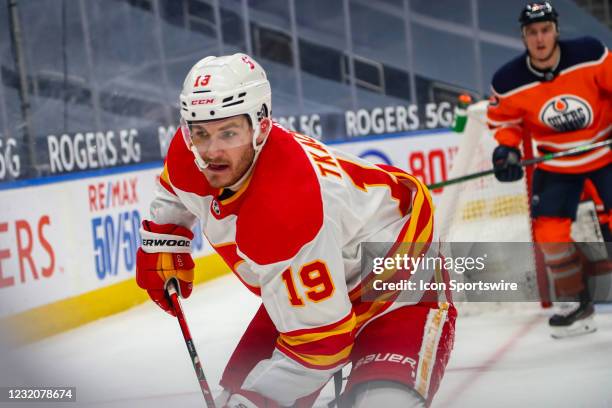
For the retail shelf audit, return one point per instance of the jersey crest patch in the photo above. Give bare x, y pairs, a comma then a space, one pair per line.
566, 113
215, 207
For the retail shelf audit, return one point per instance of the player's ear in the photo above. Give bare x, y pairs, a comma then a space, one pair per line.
523, 36
264, 129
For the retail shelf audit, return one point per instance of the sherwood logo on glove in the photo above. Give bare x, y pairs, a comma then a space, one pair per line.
152, 242
166, 242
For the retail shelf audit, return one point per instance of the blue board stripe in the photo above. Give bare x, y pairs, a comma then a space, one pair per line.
60, 178
10, 185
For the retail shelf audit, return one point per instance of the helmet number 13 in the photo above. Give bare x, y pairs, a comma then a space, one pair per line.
315, 278
201, 80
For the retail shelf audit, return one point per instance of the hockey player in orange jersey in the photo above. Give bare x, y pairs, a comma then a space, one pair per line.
287, 214
559, 91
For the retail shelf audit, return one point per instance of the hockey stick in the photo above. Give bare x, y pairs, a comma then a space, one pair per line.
550, 156
337, 389
195, 360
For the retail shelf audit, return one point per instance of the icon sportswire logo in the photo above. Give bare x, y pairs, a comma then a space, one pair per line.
566, 113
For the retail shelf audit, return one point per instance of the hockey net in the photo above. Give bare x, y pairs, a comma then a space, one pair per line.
485, 210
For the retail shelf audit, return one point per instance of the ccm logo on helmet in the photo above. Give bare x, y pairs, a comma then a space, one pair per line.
166, 242
203, 101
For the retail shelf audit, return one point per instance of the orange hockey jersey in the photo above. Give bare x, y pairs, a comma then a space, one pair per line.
292, 235
572, 109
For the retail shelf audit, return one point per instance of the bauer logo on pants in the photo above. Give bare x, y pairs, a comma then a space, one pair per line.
380, 357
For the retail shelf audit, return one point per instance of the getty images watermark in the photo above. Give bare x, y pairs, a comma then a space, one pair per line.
422, 263
466, 271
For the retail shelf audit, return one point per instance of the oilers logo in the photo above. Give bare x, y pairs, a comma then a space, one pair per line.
566, 113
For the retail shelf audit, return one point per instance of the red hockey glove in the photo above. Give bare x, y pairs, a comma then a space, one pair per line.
164, 255
249, 399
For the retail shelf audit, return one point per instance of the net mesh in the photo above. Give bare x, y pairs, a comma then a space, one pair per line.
485, 210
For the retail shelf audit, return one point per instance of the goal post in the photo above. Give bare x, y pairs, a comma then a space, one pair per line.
486, 210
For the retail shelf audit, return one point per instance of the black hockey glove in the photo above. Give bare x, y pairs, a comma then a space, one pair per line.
506, 161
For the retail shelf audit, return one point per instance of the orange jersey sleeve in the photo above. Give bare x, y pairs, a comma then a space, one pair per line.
505, 120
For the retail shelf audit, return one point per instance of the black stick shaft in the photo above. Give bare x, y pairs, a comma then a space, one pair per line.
550, 156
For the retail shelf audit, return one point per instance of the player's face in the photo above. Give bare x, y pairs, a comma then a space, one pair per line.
541, 40
226, 145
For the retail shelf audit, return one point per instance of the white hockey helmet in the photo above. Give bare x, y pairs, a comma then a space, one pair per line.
222, 87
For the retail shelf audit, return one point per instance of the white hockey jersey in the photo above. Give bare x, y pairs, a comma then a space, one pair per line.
292, 235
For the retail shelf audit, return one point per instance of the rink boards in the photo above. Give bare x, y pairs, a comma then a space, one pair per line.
68, 243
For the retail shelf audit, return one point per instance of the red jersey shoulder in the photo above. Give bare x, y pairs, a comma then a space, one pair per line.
283, 208
182, 170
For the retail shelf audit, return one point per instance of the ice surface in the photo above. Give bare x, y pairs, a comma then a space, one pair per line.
138, 358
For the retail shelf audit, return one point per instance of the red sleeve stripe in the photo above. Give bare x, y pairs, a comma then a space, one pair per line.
322, 347
327, 346
317, 362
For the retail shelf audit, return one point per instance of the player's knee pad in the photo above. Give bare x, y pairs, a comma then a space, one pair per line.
552, 229
385, 394
563, 259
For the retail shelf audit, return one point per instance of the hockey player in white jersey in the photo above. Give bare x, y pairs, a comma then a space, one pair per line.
288, 214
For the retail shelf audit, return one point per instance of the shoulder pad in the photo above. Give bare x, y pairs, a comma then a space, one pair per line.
283, 208
512, 75
579, 51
